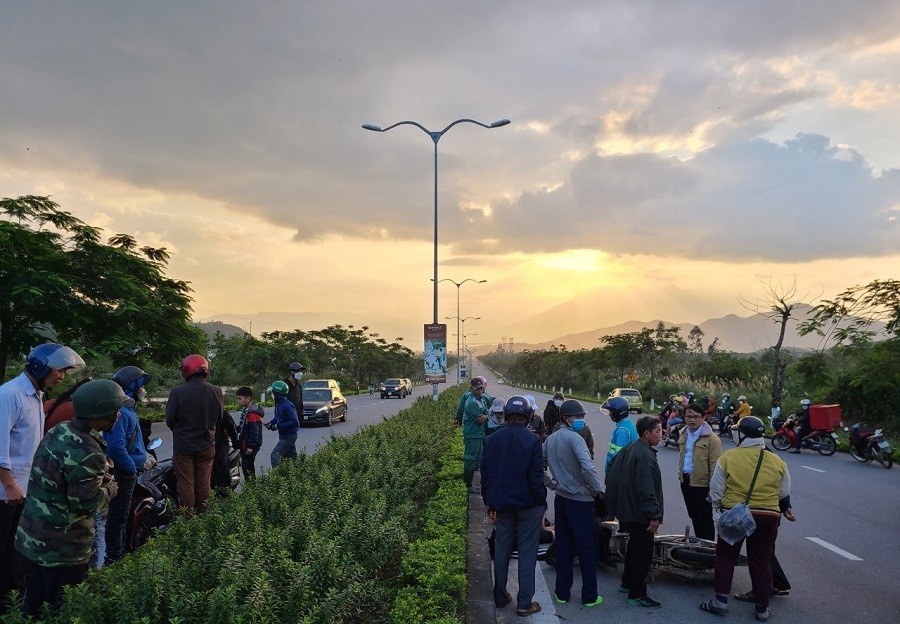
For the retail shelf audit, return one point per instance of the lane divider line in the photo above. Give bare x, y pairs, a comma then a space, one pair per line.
813, 469
834, 549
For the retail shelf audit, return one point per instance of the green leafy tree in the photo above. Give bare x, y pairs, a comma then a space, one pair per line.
108, 298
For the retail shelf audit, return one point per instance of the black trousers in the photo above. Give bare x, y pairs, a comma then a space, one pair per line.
12, 566
699, 509
45, 584
638, 558
248, 463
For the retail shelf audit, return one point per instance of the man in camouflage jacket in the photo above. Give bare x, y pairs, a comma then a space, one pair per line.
68, 483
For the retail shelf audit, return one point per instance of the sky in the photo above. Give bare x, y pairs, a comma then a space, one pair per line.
664, 159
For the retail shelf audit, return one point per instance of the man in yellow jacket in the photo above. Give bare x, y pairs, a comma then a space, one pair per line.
699, 450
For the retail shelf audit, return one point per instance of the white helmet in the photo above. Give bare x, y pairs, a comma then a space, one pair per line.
742, 398
805, 403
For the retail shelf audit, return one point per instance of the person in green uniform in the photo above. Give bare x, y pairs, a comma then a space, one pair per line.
475, 413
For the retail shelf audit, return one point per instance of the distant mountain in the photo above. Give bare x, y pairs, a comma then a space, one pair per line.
261, 322
227, 330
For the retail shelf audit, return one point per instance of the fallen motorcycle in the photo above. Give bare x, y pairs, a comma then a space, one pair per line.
868, 444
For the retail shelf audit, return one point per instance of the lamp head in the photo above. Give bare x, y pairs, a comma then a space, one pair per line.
375, 128
496, 124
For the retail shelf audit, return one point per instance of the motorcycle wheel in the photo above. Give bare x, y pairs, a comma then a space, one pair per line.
855, 455
886, 460
689, 555
781, 442
827, 446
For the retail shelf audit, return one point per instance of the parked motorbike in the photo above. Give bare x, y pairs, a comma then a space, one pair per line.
155, 498
868, 444
674, 434
822, 440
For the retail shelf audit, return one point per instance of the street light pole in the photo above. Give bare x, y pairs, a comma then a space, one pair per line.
458, 353
435, 137
458, 285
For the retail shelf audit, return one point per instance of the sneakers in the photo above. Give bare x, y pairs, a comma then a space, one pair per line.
646, 602
560, 600
762, 616
596, 602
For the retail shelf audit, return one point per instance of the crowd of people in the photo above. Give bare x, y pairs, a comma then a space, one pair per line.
69, 465
521, 454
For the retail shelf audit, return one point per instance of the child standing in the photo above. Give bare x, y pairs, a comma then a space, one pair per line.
249, 430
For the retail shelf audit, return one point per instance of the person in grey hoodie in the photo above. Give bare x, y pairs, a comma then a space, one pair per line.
576, 481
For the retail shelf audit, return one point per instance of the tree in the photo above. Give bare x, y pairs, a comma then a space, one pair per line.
695, 339
625, 351
106, 299
778, 306
849, 317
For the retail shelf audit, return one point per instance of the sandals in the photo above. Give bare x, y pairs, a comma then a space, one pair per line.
534, 608
714, 606
750, 597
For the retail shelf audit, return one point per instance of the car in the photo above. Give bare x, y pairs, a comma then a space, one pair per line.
409, 384
327, 384
635, 401
394, 387
500, 382
323, 406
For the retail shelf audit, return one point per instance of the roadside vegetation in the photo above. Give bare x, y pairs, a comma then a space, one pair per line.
369, 529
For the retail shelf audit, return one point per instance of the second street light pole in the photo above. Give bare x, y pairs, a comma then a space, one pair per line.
436, 136
458, 285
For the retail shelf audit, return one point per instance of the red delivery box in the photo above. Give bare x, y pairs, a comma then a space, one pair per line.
825, 416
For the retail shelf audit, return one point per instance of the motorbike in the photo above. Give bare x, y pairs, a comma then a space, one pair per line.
155, 499
672, 438
868, 444
822, 440
683, 556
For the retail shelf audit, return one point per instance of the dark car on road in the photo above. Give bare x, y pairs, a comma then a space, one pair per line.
394, 387
323, 406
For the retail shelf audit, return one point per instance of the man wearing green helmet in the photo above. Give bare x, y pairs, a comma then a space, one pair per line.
285, 421
69, 481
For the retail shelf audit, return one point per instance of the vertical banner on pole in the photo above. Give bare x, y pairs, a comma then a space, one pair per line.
436, 353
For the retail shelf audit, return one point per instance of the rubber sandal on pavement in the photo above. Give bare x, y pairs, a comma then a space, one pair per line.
534, 608
745, 597
714, 606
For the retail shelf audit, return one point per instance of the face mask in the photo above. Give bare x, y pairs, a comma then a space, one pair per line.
298, 376
578, 424
141, 395
557, 403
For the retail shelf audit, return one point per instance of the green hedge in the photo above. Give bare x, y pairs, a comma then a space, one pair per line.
324, 539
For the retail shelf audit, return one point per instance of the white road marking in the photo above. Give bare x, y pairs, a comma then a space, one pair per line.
813, 469
835, 549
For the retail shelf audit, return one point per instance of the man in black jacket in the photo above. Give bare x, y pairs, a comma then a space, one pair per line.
295, 388
551, 412
634, 494
512, 486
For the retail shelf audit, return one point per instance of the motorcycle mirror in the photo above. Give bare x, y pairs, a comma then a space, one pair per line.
155, 443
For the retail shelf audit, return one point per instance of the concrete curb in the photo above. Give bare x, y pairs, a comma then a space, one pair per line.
480, 607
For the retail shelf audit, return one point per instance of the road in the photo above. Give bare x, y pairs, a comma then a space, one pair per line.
364, 410
841, 556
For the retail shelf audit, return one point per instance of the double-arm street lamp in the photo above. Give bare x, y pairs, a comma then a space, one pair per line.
435, 137
458, 320
458, 353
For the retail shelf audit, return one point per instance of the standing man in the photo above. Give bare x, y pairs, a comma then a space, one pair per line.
21, 430
249, 430
699, 450
577, 481
68, 483
750, 471
295, 387
285, 421
125, 447
802, 424
192, 412
551, 412
512, 486
634, 494
625, 432
475, 413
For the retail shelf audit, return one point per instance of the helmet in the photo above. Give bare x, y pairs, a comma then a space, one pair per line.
478, 382
483, 380
498, 405
100, 398
278, 387
571, 407
193, 365
805, 403
742, 398
518, 405
616, 407
725, 395
751, 427
690, 395
51, 355
532, 402
559, 395
296, 366
131, 378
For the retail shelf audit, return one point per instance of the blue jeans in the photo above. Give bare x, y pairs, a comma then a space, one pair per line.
576, 531
117, 516
527, 523
98, 546
286, 447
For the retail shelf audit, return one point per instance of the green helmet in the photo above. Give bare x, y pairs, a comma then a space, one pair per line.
100, 398
278, 387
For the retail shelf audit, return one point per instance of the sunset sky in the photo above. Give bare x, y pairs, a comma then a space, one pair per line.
663, 157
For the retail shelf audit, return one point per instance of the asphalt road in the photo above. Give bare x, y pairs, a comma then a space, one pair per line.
841, 556
364, 410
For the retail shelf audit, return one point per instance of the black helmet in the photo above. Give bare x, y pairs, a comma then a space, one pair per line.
616, 407
571, 407
296, 366
751, 427
131, 378
518, 405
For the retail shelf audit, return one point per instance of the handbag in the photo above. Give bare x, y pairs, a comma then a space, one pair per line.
737, 523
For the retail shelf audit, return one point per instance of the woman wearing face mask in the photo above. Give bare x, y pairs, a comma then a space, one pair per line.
551, 412
576, 483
